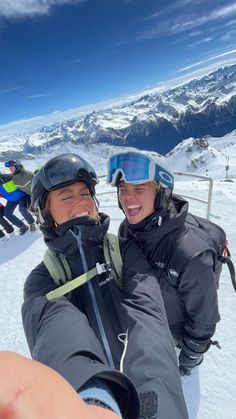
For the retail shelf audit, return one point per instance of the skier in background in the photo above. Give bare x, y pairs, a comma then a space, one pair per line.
22, 179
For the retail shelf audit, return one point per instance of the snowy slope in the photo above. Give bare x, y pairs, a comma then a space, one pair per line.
20, 254
206, 156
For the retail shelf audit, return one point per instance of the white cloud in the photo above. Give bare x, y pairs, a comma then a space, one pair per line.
74, 61
200, 42
38, 95
231, 22
228, 35
216, 57
165, 21
12, 9
224, 11
218, 14
9, 90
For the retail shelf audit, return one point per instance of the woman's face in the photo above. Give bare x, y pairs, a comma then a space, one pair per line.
71, 201
137, 201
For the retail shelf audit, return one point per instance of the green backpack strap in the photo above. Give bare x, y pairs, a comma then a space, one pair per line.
57, 266
71, 285
111, 249
59, 270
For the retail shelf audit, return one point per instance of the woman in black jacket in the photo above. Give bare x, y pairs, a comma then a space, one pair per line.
156, 220
99, 330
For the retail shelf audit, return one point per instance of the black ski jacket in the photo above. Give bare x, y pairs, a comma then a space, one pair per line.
102, 327
191, 305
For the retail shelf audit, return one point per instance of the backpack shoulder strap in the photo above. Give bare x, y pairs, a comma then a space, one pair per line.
59, 270
57, 266
111, 249
226, 259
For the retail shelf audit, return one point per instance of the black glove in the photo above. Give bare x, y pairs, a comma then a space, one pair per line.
188, 360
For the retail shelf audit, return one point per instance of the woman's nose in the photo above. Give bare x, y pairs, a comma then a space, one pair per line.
78, 199
130, 195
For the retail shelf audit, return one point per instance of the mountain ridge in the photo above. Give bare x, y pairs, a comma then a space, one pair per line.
153, 121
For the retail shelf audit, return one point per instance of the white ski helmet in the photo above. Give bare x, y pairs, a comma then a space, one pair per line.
137, 167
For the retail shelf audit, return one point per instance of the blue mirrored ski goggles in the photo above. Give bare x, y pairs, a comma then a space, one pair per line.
137, 168
9, 163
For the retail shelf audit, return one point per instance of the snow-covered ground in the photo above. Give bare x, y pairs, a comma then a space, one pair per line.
218, 373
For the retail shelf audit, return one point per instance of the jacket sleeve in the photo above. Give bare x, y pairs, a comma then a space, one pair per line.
23, 181
5, 178
60, 336
150, 359
198, 291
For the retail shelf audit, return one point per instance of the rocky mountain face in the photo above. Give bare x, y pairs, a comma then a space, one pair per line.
155, 121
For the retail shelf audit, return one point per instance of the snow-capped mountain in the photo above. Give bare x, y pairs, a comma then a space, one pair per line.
206, 156
153, 121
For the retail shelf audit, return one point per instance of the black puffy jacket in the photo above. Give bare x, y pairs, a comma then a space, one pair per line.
79, 337
192, 304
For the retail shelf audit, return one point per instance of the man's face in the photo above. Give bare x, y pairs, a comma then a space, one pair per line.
71, 201
12, 169
137, 201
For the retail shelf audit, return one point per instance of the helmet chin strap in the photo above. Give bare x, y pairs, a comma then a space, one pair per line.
118, 201
96, 202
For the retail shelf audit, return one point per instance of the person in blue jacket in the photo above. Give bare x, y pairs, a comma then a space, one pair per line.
14, 198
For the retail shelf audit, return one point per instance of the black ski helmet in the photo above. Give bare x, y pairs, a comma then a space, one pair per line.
60, 171
16, 163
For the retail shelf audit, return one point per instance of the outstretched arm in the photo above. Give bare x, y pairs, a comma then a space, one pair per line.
150, 359
59, 336
30, 390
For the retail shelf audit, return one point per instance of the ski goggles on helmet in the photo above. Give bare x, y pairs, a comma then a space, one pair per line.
137, 168
10, 163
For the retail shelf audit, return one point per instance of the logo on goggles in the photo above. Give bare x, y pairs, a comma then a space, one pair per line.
166, 177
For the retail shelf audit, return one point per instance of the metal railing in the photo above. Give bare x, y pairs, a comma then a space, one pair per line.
207, 201
210, 190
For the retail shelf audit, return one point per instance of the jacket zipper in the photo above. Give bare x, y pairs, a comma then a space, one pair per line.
94, 302
123, 337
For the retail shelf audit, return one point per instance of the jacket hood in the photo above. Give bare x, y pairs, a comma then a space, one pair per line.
19, 168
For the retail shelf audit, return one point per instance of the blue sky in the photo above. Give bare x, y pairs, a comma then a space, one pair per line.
57, 55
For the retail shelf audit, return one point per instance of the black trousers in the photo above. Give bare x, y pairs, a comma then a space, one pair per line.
4, 223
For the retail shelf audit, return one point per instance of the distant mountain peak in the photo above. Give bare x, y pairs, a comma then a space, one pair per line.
157, 121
